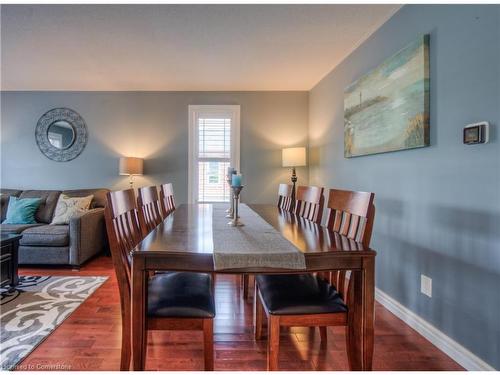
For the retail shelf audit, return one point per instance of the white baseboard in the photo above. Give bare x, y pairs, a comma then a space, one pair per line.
454, 350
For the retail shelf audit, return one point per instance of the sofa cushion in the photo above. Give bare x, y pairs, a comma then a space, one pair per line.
13, 192
43, 255
99, 199
17, 228
46, 235
69, 207
21, 210
5, 194
49, 200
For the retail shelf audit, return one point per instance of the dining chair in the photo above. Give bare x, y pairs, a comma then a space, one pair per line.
149, 208
285, 197
309, 203
308, 300
175, 300
167, 202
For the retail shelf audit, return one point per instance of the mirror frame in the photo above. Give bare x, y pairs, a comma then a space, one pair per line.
79, 129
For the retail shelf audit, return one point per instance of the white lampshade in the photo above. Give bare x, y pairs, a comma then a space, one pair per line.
294, 157
131, 166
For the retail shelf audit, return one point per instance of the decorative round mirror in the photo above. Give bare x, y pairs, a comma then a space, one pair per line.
61, 134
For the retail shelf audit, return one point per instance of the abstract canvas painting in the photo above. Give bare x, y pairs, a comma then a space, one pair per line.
388, 108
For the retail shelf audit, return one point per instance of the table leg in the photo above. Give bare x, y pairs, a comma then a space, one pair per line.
354, 321
361, 317
248, 286
138, 303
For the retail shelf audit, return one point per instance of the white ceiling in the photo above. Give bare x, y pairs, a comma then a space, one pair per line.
179, 47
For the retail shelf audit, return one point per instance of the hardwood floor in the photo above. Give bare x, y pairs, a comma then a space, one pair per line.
90, 338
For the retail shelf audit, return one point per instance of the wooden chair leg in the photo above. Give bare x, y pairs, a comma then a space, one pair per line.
145, 330
126, 349
273, 342
251, 286
259, 315
214, 275
348, 346
208, 344
245, 286
323, 335
145, 346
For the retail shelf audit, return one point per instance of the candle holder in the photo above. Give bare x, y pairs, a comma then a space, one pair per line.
231, 204
235, 222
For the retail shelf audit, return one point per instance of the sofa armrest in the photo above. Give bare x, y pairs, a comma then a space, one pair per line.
87, 235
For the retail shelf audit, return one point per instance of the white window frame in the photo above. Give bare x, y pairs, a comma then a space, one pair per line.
195, 112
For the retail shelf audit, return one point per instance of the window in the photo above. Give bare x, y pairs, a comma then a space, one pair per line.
214, 145
213, 173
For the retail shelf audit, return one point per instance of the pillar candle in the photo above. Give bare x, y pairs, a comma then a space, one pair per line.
236, 180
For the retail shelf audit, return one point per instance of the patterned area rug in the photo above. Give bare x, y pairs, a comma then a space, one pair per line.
38, 305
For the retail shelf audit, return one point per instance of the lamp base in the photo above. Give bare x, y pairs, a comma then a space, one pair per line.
294, 181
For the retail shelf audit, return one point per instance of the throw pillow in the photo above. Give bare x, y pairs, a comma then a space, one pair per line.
21, 211
68, 208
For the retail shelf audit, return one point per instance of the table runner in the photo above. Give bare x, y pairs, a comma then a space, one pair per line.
256, 244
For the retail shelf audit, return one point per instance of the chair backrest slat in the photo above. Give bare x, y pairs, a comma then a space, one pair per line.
346, 220
167, 201
149, 208
309, 203
353, 228
336, 221
285, 197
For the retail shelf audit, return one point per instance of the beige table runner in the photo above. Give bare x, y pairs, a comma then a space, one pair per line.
256, 244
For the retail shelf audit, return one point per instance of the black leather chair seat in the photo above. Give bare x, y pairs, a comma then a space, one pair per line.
299, 294
181, 295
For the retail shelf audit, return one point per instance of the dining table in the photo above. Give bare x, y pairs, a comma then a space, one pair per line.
184, 241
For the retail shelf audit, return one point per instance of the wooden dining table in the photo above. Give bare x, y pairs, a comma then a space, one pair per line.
184, 242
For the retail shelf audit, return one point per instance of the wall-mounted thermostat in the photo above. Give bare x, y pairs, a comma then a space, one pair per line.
476, 133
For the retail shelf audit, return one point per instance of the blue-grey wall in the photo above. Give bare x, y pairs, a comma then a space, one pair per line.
152, 125
438, 208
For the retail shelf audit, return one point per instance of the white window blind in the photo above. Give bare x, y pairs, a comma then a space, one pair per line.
214, 137
214, 156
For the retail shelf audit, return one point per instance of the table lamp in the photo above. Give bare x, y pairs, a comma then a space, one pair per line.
131, 167
294, 157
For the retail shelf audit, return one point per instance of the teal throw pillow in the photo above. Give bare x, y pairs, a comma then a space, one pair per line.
22, 211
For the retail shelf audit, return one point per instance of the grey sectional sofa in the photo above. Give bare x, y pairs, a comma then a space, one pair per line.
72, 244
